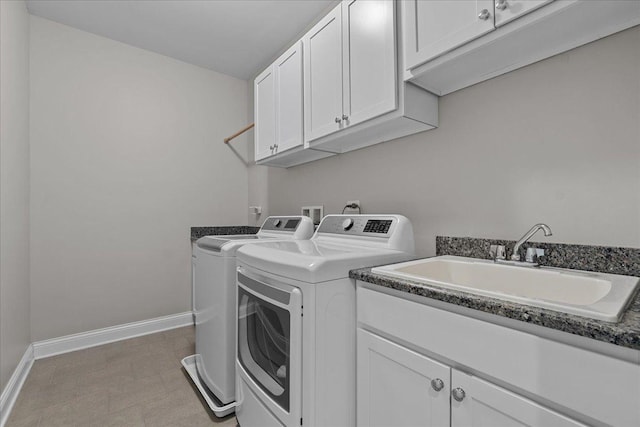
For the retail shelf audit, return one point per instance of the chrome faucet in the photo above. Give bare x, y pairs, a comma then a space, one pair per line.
516, 249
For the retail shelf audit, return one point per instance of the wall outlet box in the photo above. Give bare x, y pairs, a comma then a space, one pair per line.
314, 212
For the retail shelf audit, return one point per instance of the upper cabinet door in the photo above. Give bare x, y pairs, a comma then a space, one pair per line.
264, 113
288, 75
399, 387
508, 10
475, 402
434, 27
323, 77
369, 48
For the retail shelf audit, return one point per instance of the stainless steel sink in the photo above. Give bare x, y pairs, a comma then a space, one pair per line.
596, 295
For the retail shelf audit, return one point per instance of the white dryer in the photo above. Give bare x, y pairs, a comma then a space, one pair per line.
212, 368
296, 331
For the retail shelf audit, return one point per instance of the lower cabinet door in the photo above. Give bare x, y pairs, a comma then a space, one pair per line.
477, 403
399, 387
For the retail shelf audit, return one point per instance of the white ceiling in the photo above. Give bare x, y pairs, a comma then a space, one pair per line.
235, 37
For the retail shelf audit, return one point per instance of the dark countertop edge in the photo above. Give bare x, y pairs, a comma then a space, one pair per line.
221, 230
625, 333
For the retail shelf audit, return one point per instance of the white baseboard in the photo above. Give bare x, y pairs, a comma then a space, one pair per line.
12, 389
54, 346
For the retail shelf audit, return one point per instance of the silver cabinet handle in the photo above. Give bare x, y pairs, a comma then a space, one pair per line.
338, 119
437, 384
501, 4
458, 394
345, 117
484, 14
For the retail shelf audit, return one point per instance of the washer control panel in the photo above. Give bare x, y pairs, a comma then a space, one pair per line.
358, 225
281, 223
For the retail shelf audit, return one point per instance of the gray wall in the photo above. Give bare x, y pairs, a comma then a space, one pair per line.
126, 156
14, 187
557, 142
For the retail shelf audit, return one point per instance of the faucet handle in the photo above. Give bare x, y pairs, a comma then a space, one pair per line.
497, 252
533, 254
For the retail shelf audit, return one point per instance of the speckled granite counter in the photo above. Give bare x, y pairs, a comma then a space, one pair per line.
604, 259
198, 232
625, 333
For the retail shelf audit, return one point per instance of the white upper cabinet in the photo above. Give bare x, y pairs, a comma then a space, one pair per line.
449, 45
508, 10
434, 27
278, 113
350, 67
347, 92
354, 92
369, 48
323, 76
264, 113
288, 78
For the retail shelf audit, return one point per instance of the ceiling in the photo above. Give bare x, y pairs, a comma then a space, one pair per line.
234, 37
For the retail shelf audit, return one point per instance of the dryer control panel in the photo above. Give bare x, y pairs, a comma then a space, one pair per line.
378, 231
358, 225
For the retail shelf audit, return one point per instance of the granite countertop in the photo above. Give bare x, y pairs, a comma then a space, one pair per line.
224, 230
625, 333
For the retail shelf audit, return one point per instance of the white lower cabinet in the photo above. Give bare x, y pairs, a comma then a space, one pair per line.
403, 388
399, 387
422, 365
475, 402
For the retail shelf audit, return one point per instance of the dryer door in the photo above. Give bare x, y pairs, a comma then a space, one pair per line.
269, 326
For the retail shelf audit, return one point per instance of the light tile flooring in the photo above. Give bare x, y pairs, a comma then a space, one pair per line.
137, 382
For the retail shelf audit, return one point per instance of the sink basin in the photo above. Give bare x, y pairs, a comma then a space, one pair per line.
599, 296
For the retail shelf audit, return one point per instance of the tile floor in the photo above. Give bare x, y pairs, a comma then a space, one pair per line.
137, 382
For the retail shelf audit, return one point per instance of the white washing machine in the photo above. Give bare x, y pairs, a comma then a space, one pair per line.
296, 331
212, 368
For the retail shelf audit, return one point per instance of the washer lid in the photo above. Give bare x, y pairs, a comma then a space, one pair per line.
215, 243
313, 261
274, 227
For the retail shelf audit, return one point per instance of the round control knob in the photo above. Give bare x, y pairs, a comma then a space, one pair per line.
437, 384
458, 394
347, 224
277, 223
